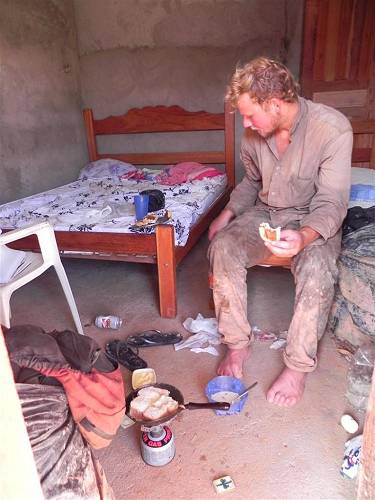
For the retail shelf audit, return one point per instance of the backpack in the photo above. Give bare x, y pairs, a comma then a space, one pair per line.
93, 384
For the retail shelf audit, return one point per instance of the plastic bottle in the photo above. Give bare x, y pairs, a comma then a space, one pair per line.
359, 377
112, 322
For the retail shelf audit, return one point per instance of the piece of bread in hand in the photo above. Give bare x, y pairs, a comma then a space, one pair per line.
268, 233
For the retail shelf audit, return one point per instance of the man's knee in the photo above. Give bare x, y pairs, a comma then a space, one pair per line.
316, 262
221, 246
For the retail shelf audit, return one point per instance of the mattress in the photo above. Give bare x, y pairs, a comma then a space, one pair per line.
106, 205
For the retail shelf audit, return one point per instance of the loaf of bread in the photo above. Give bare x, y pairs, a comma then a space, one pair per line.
152, 403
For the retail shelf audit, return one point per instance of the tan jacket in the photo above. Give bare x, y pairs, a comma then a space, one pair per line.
310, 183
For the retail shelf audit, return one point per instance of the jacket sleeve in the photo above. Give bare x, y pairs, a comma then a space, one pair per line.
329, 205
245, 193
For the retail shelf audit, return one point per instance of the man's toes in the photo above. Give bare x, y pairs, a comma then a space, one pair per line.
279, 399
274, 397
270, 396
237, 372
291, 401
222, 369
225, 371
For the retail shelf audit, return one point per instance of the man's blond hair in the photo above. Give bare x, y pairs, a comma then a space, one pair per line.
262, 79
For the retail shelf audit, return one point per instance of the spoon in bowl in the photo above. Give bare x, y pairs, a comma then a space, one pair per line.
237, 398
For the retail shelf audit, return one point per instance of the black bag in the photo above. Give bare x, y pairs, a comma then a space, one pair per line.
156, 199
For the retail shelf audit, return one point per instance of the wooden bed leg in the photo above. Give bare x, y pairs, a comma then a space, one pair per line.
166, 263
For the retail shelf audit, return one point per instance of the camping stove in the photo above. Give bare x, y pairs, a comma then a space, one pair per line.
157, 441
157, 445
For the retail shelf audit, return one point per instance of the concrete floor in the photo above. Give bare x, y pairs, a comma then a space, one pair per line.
270, 452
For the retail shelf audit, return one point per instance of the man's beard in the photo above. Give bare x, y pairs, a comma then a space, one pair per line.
275, 123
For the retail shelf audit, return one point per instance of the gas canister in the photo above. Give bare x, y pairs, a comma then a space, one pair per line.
157, 446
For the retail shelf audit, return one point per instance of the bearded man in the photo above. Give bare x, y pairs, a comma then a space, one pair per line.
297, 159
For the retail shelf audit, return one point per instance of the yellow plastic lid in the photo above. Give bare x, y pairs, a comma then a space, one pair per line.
142, 377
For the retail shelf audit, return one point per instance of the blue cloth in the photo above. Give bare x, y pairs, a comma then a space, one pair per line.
362, 192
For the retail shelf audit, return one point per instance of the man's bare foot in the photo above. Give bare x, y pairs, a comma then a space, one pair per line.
233, 362
288, 388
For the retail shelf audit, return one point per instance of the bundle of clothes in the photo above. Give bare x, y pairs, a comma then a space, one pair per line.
352, 317
73, 400
171, 175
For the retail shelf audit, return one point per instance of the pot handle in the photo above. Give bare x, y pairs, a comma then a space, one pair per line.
208, 406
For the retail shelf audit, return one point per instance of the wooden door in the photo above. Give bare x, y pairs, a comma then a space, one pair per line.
338, 63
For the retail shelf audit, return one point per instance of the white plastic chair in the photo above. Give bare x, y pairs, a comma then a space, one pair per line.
31, 266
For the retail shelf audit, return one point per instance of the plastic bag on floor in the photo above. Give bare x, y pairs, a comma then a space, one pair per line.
205, 335
360, 376
352, 457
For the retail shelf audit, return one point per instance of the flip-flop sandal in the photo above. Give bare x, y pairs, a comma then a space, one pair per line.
119, 351
153, 337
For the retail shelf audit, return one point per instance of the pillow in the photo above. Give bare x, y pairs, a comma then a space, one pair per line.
105, 168
363, 176
362, 193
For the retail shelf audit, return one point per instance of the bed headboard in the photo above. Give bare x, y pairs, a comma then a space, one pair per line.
153, 119
364, 143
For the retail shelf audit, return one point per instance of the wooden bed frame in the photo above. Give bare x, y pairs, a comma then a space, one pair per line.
158, 248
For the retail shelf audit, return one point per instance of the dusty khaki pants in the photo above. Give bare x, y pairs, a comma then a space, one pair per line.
239, 247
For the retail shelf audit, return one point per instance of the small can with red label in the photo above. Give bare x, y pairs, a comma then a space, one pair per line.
112, 322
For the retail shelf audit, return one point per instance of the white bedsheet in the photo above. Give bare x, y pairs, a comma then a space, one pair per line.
106, 205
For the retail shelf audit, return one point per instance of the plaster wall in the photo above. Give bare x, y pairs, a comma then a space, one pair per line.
129, 53
42, 140
176, 52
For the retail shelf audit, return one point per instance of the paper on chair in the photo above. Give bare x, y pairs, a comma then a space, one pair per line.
12, 262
